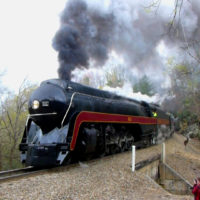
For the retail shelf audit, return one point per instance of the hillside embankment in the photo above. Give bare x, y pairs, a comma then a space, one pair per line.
109, 178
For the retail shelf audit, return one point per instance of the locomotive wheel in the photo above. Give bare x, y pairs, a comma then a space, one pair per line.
147, 141
102, 155
101, 146
122, 144
69, 159
129, 145
113, 149
107, 150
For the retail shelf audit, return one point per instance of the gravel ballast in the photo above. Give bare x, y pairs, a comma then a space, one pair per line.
109, 178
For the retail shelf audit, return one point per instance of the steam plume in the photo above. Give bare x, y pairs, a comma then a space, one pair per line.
89, 31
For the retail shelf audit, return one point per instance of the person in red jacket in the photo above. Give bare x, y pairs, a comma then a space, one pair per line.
196, 189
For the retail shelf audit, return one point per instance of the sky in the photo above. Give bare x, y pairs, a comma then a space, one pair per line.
27, 28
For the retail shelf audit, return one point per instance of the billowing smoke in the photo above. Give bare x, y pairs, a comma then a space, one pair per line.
90, 30
127, 91
85, 34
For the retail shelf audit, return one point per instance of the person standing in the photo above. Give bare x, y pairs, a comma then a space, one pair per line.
196, 189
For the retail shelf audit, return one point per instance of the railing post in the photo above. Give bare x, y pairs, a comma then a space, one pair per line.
163, 157
133, 158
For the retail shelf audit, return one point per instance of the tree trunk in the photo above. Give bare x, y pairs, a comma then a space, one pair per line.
11, 156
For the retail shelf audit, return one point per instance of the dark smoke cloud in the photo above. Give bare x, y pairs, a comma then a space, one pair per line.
89, 33
83, 35
71, 52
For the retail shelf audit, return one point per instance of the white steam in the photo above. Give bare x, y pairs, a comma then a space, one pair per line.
96, 35
127, 91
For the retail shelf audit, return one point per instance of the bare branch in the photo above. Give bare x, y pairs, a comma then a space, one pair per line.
155, 5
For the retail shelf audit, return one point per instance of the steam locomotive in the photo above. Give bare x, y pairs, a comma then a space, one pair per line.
70, 121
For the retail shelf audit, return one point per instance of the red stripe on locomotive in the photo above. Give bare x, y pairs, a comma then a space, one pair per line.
85, 116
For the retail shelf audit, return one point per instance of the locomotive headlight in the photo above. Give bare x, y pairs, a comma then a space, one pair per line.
35, 104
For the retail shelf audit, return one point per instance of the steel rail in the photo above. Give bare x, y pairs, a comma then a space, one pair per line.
18, 173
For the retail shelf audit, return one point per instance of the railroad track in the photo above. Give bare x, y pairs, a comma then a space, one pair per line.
18, 173
28, 171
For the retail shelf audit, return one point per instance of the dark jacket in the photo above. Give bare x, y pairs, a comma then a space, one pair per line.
196, 192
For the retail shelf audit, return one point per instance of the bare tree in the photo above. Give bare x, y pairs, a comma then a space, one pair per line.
2, 90
175, 27
184, 89
116, 76
13, 117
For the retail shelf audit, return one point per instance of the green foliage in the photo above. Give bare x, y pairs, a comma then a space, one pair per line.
86, 80
170, 61
148, 10
185, 83
115, 77
182, 69
144, 86
186, 115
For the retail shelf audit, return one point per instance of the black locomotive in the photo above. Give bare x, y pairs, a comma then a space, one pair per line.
68, 121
